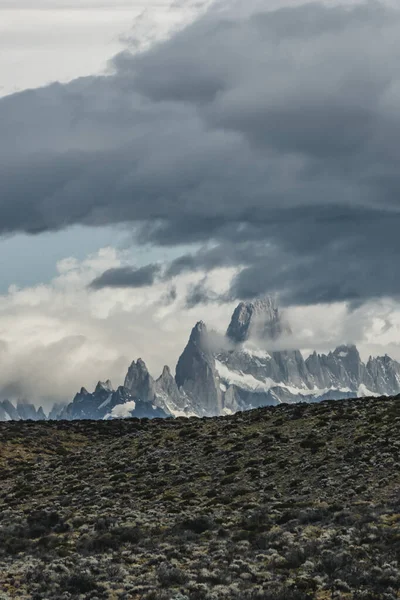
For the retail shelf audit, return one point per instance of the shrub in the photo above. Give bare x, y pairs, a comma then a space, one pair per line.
79, 583
110, 539
169, 576
198, 524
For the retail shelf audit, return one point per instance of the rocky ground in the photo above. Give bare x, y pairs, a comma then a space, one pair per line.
287, 503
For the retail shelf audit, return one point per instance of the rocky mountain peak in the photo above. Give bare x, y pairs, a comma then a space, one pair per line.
199, 331
139, 382
166, 373
350, 357
104, 386
196, 374
23, 410
26, 410
346, 350
385, 359
260, 319
10, 409
137, 370
41, 416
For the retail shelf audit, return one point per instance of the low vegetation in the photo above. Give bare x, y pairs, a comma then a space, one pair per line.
287, 503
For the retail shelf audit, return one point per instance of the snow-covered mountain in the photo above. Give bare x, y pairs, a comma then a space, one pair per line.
107, 403
22, 411
215, 378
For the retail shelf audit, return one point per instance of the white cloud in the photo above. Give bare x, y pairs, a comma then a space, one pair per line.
122, 411
374, 327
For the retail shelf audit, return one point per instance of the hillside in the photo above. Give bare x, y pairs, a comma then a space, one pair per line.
280, 503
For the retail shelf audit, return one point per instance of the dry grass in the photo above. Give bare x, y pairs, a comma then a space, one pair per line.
287, 503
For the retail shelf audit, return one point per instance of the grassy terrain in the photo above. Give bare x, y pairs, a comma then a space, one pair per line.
286, 503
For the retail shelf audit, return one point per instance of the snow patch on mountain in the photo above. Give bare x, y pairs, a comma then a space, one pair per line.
247, 382
251, 383
256, 353
106, 401
364, 392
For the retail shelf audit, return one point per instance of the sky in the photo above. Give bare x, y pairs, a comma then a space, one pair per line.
60, 40
160, 162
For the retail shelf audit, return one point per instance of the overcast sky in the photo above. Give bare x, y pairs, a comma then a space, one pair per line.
173, 158
59, 40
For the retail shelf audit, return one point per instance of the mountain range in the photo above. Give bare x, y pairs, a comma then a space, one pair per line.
22, 411
218, 375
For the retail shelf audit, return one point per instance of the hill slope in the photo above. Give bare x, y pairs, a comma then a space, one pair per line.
288, 502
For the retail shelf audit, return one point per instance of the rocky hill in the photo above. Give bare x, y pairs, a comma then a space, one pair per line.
280, 503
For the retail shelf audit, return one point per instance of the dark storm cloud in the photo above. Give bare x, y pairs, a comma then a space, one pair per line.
275, 133
223, 255
204, 260
124, 277
324, 267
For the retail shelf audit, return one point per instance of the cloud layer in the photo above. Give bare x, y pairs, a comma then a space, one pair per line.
123, 277
57, 337
273, 135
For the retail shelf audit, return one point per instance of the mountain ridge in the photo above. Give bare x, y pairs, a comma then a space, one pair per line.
211, 380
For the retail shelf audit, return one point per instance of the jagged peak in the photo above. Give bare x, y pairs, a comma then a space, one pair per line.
121, 390
198, 332
200, 327
266, 301
196, 352
23, 402
8, 402
260, 303
139, 365
345, 350
41, 413
104, 386
139, 382
8, 405
346, 347
385, 358
259, 317
84, 392
166, 372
